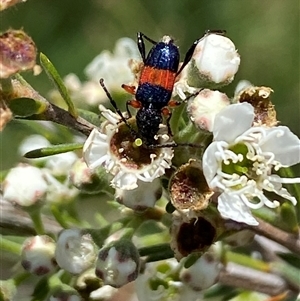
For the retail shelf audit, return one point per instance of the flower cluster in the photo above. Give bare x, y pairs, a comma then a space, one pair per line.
204, 178
240, 164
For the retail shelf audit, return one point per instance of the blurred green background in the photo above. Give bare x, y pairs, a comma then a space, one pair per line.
72, 32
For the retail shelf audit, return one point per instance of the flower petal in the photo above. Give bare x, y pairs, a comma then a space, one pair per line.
283, 144
95, 149
232, 207
210, 164
233, 121
123, 180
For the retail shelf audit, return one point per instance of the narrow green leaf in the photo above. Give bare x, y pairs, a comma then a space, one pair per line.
90, 117
290, 258
53, 150
294, 189
221, 291
58, 82
41, 290
287, 271
288, 215
24, 107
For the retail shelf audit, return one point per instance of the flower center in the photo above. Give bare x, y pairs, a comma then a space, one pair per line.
133, 155
243, 166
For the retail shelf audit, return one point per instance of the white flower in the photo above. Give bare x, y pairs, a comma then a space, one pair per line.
203, 108
240, 162
113, 67
113, 148
25, 185
75, 252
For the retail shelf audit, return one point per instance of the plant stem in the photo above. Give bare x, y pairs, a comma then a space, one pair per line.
37, 221
288, 240
9, 246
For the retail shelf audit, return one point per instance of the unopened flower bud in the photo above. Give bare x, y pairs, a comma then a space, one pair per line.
87, 180
18, 52
142, 197
203, 108
75, 251
214, 63
24, 185
203, 273
118, 264
38, 255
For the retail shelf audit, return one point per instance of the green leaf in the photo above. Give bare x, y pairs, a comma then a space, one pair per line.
25, 107
53, 150
292, 259
41, 290
58, 82
191, 259
288, 215
90, 117
287, 271
221, 291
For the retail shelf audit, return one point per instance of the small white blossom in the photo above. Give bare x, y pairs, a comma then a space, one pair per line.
205, 106
38, 255
25, 185
113, 67
75, 252
241, 160
113, 148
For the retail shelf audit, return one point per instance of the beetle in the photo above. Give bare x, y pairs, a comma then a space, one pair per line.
155, 85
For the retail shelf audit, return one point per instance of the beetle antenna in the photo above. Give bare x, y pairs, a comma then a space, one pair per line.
114, 104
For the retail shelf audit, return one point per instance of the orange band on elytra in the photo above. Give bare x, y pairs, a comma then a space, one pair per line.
160, 77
